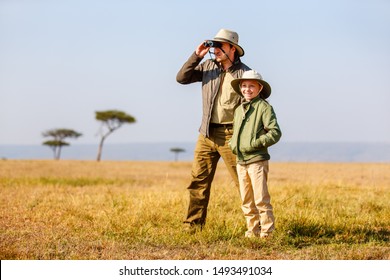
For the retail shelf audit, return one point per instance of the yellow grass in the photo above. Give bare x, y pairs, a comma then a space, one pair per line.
134, 210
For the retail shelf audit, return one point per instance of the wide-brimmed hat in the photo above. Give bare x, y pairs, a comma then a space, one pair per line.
252, 75
230, 37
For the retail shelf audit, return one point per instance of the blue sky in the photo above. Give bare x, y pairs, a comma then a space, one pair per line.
328, 63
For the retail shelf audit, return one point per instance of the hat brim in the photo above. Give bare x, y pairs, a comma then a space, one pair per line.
240, 50
264, 93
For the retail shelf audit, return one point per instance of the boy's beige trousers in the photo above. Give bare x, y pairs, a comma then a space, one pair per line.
256, 200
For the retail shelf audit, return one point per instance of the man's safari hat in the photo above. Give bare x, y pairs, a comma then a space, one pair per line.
231, 37
252, 75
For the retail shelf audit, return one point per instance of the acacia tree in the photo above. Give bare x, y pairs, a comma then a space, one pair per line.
58, 142
177, 151
111, 120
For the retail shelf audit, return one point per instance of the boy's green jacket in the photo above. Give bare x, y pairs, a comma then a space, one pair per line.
255, 128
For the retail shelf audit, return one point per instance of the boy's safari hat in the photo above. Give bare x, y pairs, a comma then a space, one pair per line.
252, 75
231, 37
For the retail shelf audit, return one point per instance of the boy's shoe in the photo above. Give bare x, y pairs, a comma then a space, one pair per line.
265, 235
251, 234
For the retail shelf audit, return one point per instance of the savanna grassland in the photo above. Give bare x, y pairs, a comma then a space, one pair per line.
134, 210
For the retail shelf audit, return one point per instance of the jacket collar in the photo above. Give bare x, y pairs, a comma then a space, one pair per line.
257, 98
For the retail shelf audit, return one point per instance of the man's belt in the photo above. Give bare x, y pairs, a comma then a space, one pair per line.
224, 125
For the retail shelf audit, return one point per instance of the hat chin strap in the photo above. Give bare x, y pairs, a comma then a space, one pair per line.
224, 54
227, 56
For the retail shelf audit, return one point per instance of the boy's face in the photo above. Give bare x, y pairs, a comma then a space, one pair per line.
250, 89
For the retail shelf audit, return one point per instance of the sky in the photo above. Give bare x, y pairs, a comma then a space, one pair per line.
328, 63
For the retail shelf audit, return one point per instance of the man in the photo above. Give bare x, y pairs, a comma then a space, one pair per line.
219, 102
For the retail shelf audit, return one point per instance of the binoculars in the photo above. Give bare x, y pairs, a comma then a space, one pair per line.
212, 44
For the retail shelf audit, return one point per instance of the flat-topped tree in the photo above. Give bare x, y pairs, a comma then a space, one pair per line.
177, 151
58, 142
111, 120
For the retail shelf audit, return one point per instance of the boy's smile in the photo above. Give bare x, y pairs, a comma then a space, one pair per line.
250, 89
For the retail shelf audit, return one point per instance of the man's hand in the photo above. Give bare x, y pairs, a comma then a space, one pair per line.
201, 50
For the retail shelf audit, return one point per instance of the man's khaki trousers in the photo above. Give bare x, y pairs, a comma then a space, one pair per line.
207, 153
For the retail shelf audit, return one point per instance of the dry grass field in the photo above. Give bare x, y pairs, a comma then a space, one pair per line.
134, 210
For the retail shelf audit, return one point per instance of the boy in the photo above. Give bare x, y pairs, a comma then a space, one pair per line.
255, 128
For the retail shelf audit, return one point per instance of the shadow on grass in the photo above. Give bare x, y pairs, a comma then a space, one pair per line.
303, 233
